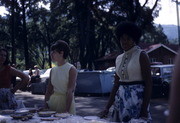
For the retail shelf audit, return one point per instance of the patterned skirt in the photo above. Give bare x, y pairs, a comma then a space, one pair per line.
128, 101
7, 99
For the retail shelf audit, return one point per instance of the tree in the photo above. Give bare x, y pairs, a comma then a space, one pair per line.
4, 32
156, 35
95, 21
87, 25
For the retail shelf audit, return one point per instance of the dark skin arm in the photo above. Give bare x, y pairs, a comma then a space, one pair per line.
49, 91
146, 74
24, 79
112, 97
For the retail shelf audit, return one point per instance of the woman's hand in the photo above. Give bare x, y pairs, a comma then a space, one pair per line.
144, 114
104, 113
46, 105
12, 91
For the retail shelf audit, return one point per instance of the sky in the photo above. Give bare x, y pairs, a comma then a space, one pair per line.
167, 14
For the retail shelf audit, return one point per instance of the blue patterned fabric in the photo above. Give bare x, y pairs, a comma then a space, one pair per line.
7, 99
128, 101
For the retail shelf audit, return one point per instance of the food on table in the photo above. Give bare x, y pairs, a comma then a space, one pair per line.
94, 121
91, 117
46, 113
62, 115
49, 119
7, 112
23, 117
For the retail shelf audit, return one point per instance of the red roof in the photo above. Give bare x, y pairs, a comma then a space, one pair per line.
145, 46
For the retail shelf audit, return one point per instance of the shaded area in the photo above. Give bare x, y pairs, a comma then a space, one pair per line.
91, 105
157, 108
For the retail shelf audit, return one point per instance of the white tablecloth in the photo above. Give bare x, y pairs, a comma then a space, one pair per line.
37, 119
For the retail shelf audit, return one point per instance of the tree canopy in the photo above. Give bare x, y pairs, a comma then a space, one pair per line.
87, 25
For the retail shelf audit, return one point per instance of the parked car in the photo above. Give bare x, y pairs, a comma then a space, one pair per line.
111, 69
162, 78
45, 75
27, 73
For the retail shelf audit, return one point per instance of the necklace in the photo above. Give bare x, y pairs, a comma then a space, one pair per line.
123, 67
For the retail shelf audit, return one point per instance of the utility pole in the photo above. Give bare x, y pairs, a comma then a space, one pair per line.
177, 10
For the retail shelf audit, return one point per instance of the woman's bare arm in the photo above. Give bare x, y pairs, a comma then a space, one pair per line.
113, 92
146, 74
111, 98
71, 87
24, 79
49, 89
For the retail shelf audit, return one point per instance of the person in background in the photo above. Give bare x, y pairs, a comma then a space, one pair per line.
30, 72
36, 74
174, 109
131, 92
59, 96
7, 99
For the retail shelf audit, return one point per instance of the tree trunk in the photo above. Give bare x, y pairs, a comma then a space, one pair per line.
81, 20
13, 58
26, 53
49, 44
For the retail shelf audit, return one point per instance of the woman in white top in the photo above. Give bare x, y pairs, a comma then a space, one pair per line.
132, 86
59, 96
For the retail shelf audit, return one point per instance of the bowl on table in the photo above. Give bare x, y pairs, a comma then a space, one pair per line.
7, 112
46, 113
91, 118
22, 116
49, 119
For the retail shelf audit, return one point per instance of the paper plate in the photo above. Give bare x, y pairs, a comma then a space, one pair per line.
62, 115
46, 113
20, 116
21, 111
49, 119
91, 117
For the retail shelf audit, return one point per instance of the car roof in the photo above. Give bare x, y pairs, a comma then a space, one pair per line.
164, 65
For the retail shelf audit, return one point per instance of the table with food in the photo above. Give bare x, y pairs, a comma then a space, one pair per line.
32, 115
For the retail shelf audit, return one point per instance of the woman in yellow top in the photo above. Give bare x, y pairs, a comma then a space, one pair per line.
59, 96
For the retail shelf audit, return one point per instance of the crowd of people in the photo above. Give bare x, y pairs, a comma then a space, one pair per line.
130, 94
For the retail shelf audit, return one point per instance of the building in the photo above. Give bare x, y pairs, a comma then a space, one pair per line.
158, 53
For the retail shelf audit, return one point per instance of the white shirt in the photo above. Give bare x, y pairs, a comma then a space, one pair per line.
128, 65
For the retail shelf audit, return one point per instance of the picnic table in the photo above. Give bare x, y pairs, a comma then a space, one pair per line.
53, 118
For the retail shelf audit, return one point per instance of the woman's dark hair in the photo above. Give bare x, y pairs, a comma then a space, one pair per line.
7, 55
61, 45
130, 29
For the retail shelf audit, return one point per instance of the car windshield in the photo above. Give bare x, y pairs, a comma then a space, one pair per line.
155, 71
167, 70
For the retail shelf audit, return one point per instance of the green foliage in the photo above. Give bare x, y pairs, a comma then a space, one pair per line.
155, 35
87, 25
4, 32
